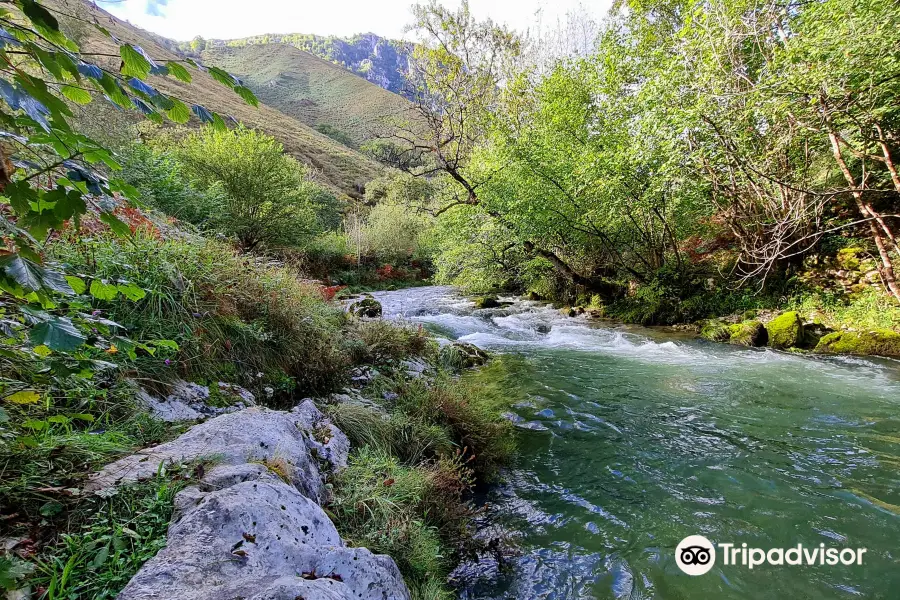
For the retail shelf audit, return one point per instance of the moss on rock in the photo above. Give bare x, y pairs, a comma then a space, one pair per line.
785, 330
880, 342
367, 307
487, 302
715, 331
748, 333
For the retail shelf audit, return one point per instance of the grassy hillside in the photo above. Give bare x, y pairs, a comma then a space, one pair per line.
379, 60
337, 165
321, 94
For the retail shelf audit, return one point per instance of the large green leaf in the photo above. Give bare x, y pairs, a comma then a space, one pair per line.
32, 276
133, 62
75, 94
248, 96
58, 334
103, 291
179, 113
131, 291
178, 71
118, 226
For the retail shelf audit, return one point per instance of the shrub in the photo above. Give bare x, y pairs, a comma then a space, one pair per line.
162, 185
267, 198
408, 512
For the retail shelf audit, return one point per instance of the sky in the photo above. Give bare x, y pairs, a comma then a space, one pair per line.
226, 19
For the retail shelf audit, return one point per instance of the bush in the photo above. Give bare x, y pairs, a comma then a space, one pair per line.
162, 185
268, 200
234, 317
382, 341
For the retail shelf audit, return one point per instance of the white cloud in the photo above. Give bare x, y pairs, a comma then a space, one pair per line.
184, 19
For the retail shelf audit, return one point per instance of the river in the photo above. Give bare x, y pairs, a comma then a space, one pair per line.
634, 438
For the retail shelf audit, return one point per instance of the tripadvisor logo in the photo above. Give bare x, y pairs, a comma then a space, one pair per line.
696, 555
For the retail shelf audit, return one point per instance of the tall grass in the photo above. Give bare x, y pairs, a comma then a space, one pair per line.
235, 317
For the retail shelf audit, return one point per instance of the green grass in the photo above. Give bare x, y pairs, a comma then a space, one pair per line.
868, 310
109, 541
233, 316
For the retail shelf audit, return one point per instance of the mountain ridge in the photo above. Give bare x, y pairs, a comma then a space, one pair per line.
335, 164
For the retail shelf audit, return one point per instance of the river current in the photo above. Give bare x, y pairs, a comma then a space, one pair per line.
634, 438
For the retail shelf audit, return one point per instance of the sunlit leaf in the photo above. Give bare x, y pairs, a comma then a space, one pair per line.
103, 291
24, 397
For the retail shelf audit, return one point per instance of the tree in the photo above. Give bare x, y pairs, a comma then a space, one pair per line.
266, 193
454, 81
789, 111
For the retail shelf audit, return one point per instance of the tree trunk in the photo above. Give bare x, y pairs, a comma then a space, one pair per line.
875, 222
606, 290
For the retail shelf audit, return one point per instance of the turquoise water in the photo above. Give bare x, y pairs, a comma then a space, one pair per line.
632, 439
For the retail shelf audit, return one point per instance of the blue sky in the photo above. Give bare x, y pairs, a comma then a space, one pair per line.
184, 19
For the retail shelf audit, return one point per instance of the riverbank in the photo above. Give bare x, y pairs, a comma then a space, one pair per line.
165, 331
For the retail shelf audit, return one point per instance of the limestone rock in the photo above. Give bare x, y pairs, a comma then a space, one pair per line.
714, 331
191, 401
258, 538
749, 333
459, 355
281, 440
367, 307
487, 302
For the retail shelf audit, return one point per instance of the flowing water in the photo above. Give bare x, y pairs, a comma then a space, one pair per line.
633, 439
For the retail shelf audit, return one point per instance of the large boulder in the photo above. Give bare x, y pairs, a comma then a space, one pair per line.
748, 333
785, 330
244, 533
284, 441
487, 302
880, 342
714, 331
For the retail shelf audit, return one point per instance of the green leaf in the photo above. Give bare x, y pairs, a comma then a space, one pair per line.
4, 418
177, 71
52, 508
58, 334
81, 417
179, 113
42, 351
169, 344
133, 62
117, 225
23, 271
77, 284
131, 291
40, 16
103, 291
248, 96
76, 95
69, 205
222, 76
58, 419
100, 558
